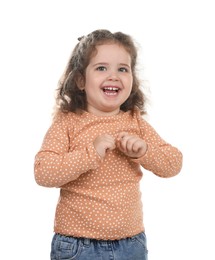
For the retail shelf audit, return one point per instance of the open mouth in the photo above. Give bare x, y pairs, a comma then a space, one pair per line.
111, 90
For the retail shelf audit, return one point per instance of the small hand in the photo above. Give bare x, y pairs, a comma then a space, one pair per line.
103, 143
131, 145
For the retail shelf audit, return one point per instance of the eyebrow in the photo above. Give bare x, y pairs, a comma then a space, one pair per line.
105, 63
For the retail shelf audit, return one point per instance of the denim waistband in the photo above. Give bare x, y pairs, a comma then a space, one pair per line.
88, 241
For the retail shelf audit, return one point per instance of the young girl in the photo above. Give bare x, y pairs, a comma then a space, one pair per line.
95, 149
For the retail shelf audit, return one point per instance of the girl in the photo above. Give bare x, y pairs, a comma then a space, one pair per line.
95, 149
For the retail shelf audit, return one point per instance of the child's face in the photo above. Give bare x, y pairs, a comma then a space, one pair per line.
108, 81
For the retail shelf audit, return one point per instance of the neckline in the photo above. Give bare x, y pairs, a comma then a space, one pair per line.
88, 114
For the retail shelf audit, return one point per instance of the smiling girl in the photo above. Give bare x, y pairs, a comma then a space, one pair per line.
95, 151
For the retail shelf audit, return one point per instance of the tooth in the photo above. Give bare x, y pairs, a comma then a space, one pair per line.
111, 88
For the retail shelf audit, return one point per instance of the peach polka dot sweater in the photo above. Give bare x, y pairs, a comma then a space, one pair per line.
100, 198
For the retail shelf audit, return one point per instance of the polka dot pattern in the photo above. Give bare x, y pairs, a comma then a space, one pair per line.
100, 198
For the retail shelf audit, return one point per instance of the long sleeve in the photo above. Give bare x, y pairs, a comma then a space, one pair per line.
57, 163
161, 158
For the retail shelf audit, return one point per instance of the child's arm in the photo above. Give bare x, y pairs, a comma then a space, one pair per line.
54, 164
161, 158
151, 151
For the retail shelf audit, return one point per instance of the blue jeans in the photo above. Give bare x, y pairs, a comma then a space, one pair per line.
70, 248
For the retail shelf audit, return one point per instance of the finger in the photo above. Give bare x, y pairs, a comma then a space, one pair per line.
139, 148
110, 144
127, 142
123, 142
133, 144
136, 146
121, 135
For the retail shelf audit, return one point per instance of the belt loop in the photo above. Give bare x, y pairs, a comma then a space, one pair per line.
86, 241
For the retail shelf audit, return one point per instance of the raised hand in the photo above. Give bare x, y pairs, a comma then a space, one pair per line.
103, 143
131, 145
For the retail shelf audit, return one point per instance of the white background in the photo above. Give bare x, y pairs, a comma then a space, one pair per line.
177, 62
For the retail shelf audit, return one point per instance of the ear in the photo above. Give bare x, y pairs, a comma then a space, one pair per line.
80, 81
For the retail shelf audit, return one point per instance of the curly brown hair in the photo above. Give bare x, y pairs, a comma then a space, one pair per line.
70, 98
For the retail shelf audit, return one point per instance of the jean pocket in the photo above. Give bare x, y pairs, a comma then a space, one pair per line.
66, 248
141, 239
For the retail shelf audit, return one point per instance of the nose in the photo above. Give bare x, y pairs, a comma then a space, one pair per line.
113, 77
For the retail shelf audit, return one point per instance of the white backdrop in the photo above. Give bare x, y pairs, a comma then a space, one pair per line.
177, 62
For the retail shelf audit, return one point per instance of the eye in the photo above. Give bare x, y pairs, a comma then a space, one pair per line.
101, 68
123, 69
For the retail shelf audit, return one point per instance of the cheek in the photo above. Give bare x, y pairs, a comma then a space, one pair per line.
129, 79
92, 81
129, 83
